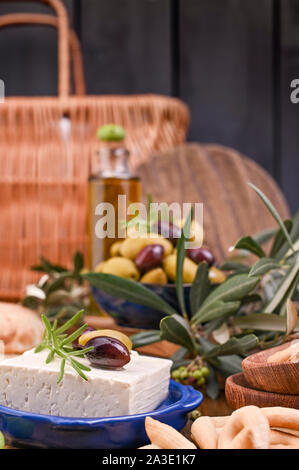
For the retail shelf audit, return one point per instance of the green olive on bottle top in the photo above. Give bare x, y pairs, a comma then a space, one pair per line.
111, 133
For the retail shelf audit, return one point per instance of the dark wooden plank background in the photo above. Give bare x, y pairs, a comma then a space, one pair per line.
231, 61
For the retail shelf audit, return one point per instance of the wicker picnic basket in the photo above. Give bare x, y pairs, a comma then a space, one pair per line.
44, 170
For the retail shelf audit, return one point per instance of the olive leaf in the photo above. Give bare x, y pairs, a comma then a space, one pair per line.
291, 291
216, 310
212, 385
47, 267
215, 324
274, 213
200, 288
262, 322
57, 283
234, 266
185, 235
128, 290
291, 317
249, 244
226, 365
179, 358
294, 235
251, 298
233, 346
180, 363
176, 329
263, 265
291, 258
179, 354
285, 285
234, 288
221, 334
145, 337
264, 236
78, 261
279, 239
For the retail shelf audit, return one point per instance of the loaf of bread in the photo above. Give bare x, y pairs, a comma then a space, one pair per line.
20, 328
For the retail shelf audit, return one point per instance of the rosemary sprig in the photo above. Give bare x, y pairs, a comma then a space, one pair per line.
60, 344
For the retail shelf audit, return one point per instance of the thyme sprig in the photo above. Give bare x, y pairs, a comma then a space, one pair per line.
60, 344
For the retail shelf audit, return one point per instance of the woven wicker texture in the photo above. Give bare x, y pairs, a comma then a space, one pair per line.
44, 170
218, 177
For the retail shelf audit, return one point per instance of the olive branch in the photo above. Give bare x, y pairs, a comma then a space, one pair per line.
251, 309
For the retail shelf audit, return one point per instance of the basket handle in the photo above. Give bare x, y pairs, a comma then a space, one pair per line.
63, 44
14, 19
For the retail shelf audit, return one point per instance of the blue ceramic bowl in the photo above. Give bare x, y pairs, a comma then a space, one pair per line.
133, 315
34, 430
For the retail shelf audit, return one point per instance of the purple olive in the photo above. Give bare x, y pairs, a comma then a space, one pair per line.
87, 329
149, 257
167, 230
75, 343
201, 254
191, 381
107, 352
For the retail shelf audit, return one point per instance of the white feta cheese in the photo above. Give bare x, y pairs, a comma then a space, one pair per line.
27, 383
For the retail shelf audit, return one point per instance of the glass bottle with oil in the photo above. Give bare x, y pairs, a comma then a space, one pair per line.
112, 179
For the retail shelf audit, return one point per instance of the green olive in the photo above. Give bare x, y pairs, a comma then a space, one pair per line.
189, 268
197, 374
154, 276
159, 240
122, 267
2, 441
205, 371
196, 232
216, 276
132, 246
99, 267
111, 133
115, 248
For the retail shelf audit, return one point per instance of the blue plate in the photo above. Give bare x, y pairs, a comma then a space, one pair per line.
133, 315
35, 430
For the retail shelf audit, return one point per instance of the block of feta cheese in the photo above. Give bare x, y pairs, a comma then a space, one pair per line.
27, 383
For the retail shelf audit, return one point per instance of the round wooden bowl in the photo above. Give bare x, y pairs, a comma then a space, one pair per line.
271, 376
239, 393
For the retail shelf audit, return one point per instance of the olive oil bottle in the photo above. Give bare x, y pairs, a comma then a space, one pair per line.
111, 180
